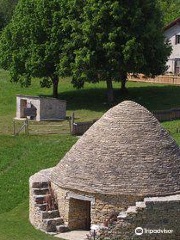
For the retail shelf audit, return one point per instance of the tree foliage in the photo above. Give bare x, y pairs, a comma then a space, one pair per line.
90, 40
170, 10
6, 11
30, 45
112, 38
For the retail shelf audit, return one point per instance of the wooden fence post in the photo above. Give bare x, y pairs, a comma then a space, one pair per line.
14, 127
24, 126
26, 130
27, 126
72, 123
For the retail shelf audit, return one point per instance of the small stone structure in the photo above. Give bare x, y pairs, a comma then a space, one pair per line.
40, 108
125, 162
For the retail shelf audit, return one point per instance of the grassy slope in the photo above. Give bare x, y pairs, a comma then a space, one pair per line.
14, 225
20, 157
89, 102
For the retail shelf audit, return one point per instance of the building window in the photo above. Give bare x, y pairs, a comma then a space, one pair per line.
177, 67
177, 39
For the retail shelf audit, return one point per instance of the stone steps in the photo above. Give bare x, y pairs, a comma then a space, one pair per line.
49, 225
40, 185
132, 211
42, 207
39, 199
50, 214
62, 228
140, 205
52, 223
40, 191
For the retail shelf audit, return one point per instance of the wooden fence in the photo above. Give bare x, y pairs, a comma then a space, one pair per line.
69, 126
80, 128
167, 115
163, 79
41, 128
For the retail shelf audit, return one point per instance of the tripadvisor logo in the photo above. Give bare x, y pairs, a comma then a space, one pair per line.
140, 231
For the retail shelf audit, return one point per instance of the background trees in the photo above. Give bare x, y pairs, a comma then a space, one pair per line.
114, 38
30, 45
6, 11
88, 40
170, 10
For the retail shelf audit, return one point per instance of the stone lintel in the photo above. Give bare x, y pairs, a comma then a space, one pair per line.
80, 197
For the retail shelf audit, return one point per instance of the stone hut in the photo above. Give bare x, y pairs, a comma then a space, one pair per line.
40, 108
123, 159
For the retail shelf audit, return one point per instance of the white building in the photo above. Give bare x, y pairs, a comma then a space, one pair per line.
172, 33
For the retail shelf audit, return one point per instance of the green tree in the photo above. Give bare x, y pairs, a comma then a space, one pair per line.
111, 38
6, 11
170, 9
30, 45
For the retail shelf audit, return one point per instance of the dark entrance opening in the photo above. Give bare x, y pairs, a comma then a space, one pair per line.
23, 105
79, 214
30, 111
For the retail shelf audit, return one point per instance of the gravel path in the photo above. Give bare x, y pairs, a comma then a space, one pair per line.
73, 235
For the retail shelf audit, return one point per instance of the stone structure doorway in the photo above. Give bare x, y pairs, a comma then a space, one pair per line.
79, 214
23, 105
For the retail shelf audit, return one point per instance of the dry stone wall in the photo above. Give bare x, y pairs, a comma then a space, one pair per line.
63, 202
101, 205
107, 204
44, 215
158, 219
39, 179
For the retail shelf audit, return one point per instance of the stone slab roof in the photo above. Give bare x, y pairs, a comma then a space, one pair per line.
126, 152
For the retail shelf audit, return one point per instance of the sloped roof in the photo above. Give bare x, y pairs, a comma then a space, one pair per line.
176, 21
126, 152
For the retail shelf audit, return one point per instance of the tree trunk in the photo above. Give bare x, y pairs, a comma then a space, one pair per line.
110, 91
55, 80
123, 83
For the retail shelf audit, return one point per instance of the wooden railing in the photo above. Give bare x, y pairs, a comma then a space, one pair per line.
79, 128
162, 79
167, 115
69, 126
19, 128
29, 127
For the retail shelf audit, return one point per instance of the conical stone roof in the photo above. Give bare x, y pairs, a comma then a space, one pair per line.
126, 152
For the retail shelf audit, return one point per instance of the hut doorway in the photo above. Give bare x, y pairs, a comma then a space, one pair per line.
79, 214
23, 105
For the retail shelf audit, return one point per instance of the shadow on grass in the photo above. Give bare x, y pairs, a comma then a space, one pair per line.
157, 97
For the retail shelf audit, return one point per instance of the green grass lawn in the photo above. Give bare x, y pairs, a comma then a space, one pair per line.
89, 102
14, 225
22, 156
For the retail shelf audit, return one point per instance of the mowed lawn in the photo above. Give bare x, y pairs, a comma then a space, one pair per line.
89, 102
22, 156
